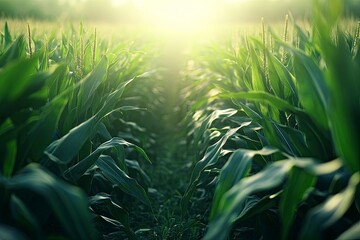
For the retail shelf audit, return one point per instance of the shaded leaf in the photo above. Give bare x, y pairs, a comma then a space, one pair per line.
10, 233
63, 150
210, 158
67, 202
24, 217
326, 214
76, 171
118, 177
232, 203
352, 233
102, 204
298, 184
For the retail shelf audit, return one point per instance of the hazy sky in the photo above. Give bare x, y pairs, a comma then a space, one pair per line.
190, 11
152, 2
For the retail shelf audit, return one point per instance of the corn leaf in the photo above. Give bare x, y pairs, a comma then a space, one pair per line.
313, 93
206, 124
210, 158
232, 203
15, 51
264, 97
76, 171
90, 84
257, 74
352, 233
236, 168
15, 86
44, 129
326, 214
103, 205
299, 182
23, 216
118, 177
67, 202
63, 150
11, 233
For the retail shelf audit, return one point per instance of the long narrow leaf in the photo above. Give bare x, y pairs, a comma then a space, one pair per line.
328, 213
236, 168
209, 159
299, 182
117, 176
67, 202
76, 171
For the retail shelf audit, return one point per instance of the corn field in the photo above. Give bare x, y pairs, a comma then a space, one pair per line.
256, 137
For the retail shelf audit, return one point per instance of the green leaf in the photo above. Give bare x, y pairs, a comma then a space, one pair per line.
133, 164
210, 158
342, 79
213, 152
118, 177
236, 168
76, 171
352, 233
282, 77
44, 130
344, 107
206, 124
232, 203
326, 214
113, 98
16, 86
10, 233
103, 205
315, 167
24, 217
7, 35
295, 191
286, 138
313, 93
59, 81
67, 202
90, 84
257, 74
63, 150
253, 205
9, 158
15, 51
327, 13
263, 97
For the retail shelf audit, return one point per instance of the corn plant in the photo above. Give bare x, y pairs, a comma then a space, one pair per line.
267, 145
58, 158
292, 158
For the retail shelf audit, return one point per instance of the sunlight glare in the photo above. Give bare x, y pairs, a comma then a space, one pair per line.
118, 2
180, 16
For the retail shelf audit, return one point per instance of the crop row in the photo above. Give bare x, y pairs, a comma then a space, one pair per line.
271, 128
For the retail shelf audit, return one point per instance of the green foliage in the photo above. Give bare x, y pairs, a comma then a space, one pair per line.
303, 110
68, 203
295, 192
54, 124
330, 211
267, 145
237, 167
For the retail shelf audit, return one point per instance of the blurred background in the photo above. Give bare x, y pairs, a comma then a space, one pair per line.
137, 11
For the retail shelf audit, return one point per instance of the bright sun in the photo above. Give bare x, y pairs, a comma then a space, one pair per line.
180, 15
175, 15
